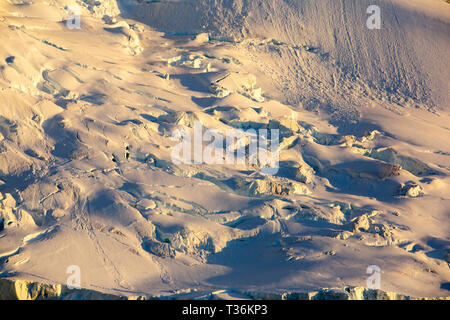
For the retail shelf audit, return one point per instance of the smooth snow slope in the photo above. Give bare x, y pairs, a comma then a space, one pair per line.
86, 124
408, 57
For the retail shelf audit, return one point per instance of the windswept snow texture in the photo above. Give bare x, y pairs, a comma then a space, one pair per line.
87, 118
407, 58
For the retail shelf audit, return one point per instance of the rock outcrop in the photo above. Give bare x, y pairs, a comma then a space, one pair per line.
26, 290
